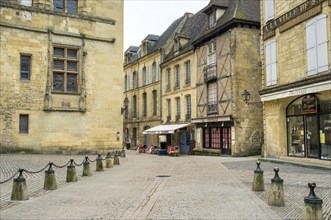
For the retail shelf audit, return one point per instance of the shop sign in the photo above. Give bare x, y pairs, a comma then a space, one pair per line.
297, 92
309, 104
297, 14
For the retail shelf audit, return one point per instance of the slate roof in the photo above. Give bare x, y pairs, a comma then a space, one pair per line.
132, 49
160, 40
238, 11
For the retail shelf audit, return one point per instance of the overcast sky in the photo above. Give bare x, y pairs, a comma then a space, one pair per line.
143, 17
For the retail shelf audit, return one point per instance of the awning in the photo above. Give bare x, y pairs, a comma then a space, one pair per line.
164, 129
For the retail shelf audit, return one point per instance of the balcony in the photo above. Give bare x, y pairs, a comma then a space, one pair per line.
210, 72
177, 117
187, 117
168, 118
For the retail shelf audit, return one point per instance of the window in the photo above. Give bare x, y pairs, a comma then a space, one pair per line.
134, 106
24, 124
317, 45
177, 75
169, 109
168, 79
25, 67
144, 76
211, 57
177, 108
269, 10
212, 19
188, 73
271, 63
154, 102
212, 97
68, 6
145, 103
26, 2
65, 70
135, 80
188, 107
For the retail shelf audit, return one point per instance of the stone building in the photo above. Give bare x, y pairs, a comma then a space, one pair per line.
61, 64
179, 83
142, 94
228, 70
296, 78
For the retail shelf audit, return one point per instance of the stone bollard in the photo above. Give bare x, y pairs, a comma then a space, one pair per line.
86, 167
50, 181
20, 190
258, 182
313, 205
116, 160
71, 172
99, 164
123, 153
276, 193
109, 161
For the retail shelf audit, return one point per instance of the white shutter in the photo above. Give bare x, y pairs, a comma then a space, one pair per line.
269, 10
141, 78
311, 48
26, 2
322, 43
271, 63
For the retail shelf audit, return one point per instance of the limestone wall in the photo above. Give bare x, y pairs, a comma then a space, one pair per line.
87, 120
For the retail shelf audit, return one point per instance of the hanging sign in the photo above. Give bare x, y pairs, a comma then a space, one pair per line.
309, 104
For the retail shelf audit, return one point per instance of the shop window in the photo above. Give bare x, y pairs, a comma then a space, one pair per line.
271, 70
317, 45
25, 67
309, 127
65, 70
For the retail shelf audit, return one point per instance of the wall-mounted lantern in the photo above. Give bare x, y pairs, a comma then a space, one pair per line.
246, 95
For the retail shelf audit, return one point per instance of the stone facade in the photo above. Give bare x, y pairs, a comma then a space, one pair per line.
295, 78
85, 119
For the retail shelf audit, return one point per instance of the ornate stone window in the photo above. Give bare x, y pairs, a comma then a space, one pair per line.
65, 70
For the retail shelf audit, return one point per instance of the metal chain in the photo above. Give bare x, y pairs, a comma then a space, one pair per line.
79, 164
92, 161
5, 181
35, 172
61, 166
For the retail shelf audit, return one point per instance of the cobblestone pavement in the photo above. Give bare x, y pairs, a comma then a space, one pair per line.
295, 184
159, 187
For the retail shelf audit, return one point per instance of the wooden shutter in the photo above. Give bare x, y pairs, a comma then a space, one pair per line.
322, 43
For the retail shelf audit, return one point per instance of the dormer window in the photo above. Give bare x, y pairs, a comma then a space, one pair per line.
212, 19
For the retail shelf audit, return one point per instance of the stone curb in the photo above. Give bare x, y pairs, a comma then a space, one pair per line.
308, 165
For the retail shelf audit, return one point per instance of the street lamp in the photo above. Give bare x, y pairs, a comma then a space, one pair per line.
246, 96
125, 105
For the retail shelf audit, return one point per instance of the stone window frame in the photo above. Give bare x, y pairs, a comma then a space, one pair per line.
134, 106
65, 8
23, 123
178, 108
188, 106
22, 71
168, 79
65, 70
177, 76
169, 107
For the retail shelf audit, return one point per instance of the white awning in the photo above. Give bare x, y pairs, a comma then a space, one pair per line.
164, 129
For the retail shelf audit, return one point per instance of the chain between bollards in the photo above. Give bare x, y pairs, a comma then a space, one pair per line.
7, 180
61, 166
35, 172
